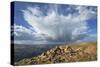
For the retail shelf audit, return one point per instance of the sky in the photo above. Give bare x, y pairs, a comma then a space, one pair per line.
45, 23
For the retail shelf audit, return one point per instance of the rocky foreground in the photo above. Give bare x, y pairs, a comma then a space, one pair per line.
66, 53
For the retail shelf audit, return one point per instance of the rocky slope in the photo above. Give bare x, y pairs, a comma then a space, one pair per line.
66, 53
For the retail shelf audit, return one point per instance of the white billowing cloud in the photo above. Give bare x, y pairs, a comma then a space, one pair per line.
85, 13
53, 27
23, 35
58, 26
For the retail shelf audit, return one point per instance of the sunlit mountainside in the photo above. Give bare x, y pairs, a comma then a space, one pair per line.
65, 53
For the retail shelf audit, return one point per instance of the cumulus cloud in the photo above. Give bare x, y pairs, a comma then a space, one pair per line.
23, 35
54, 27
